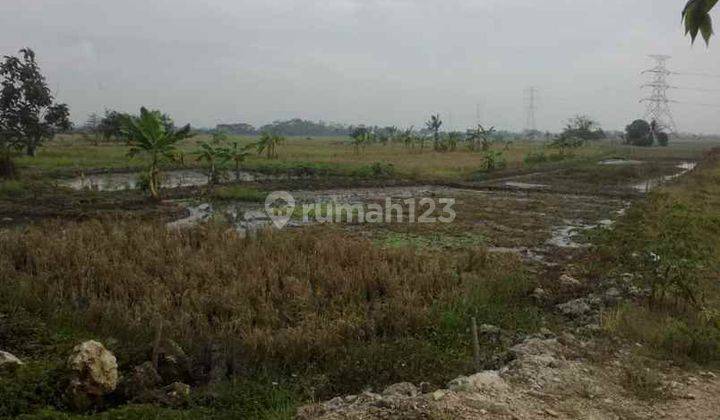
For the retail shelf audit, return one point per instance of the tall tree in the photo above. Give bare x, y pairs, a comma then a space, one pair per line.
639, 133
111, 125
584, 128
148, 135
27, 107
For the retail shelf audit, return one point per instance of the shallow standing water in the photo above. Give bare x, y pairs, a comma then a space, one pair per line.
171, 179
651, 184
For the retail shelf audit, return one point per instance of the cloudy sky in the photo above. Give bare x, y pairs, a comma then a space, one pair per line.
363, 61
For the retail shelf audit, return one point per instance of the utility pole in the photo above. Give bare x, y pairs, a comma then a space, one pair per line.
531, 100
658, 104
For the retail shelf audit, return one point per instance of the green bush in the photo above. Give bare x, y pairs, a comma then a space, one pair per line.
12, 189
29, 388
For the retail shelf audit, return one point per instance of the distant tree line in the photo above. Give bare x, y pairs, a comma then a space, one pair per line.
293, 127
110, 126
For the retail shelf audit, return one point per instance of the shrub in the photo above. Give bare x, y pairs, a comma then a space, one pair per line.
12, 189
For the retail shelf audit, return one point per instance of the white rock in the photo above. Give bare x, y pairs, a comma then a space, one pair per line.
94, 370
8, 361
569, 281
574, 308
405, 389
487, 381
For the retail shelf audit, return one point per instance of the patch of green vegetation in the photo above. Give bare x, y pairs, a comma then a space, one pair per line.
642, 381
238, 193
259, 398
375, 170
668, 244
31, 386
12, 189
431, 240
294, 168
538, 157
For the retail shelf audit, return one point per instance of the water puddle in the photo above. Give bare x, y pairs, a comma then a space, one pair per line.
651, 184
565, 236
247, 218
524, 185
615, 162
171, 179
526, 254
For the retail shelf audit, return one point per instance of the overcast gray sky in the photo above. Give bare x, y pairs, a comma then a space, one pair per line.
362, 61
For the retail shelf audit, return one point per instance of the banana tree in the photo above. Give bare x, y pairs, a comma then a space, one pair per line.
212, 156
237, 154
361, 136
147, 135
268, 143
453, 138
480, 134
434, 124
408, 138
696, 16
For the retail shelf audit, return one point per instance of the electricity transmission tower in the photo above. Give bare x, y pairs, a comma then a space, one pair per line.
531, 100
658, 104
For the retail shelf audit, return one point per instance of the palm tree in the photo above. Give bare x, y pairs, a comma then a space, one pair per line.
434, 124
148, 135
268, 143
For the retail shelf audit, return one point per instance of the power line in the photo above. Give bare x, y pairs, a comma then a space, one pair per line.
684, 73
697, 104
657, 85
657, 104
531, 98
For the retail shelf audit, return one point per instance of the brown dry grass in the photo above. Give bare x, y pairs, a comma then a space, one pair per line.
285, 300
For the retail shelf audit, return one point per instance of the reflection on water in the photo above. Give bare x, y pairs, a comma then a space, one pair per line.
131, 180
650, 184
614, 162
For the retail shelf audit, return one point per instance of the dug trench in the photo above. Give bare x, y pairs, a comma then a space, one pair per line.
325, 310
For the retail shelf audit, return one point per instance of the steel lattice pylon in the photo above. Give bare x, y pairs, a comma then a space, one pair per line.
658, 104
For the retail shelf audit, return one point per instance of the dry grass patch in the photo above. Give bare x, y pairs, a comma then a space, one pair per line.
310, 301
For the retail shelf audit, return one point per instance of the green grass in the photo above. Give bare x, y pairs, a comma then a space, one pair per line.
669, 242
10, 189
322, 156
431, 240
